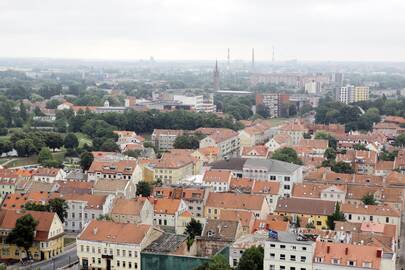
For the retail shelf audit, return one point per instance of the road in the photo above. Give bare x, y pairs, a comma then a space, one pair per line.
401, 251
62, 260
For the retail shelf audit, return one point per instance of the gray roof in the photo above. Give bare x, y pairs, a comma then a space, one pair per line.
272, 165
235, 164
290, 237
166, 243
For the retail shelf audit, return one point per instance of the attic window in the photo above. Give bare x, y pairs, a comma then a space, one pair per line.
128, 168
210, 233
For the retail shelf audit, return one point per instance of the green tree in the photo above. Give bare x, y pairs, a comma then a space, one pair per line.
71, 141
86, 158
193, 228
44, 155
360, 146
336, 216
263, 111
105, 217
23, 233
342, 167
58, 206
368, 199
25, 147
400, 140
53, 104
186, 142
252, 259
143, 189
5, 146
53, 140
218, 262
330, 153
23, 112
109, 145
287, 154
36, 207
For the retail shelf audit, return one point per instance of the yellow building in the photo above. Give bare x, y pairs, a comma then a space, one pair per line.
48, 241
361, 93
315, 212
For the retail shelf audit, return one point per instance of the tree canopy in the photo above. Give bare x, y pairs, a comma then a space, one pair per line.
252, 259
287, 154
23, 233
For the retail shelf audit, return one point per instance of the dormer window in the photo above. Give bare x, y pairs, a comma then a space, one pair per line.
210, 233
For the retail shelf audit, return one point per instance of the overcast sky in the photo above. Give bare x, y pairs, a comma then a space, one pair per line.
204, 29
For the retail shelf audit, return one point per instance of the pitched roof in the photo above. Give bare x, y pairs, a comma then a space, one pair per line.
95, 202
126, 167
111, 232
281, 138
257, 150
314, 143
225, 230
8, 220
376, 210
166, 206
185, 193
218, 135
229, 164
167, 132
17, 200
110, 185
394, 195
217, 176
245, 217
124, 206
305, 206
235, 201
266, 187
75, 187
51, 172
272, 222
271, 165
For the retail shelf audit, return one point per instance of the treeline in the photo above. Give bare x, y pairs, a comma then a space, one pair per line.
238, 107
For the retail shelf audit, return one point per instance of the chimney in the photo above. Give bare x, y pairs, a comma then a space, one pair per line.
95, 231
347, 250
327, 249
379, 253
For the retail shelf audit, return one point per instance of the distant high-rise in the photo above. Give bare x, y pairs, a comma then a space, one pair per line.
229, 59
253, 58
349, 94
216, 77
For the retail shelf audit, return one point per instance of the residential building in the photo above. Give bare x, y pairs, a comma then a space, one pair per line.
295, 129
225, 139
216, 202
279, 141
237, 248
258, 133
287, 251
207, 154
257, 151
218, 180
48, 175
48, 236
349, 94
274, 170
115, 170
326, 192
272, 101
12, 180
361, 93
167, 211
163, 139
315, 211
138, 210
107, 245
118, 187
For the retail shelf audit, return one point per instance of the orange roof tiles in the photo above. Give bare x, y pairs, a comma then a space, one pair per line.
314, 143
266, 187
377, 210
17, 201
166, 206
217, 176
257, 150
126, 167
124, 206
235, 201
111, 232
218, 134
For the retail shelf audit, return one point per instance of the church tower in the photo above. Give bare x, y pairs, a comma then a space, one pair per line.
216, 77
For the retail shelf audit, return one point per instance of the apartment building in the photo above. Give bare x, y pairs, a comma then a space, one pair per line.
288, 251
167, 211
225, 139
111, 245
349, 94
115, 170
134, 211
163, 139
218, 180
258, 133
48, 175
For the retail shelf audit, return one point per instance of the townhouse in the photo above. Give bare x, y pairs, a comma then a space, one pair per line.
315, 211
107, 245
12, 180
218, 180
117, 187
226, 140
114, 170
134, 211
48, 236
207, 154
217, 202
327, 192
295, 129
194, 197
163, 139
257, 151
383, 214
317, 146
167, 211
258, 133
48, 175
129, 140
363, 162
279, 141
288, 251
238, 247
274, 170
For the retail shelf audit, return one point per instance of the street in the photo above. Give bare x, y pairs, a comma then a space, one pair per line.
401, 251
62, 260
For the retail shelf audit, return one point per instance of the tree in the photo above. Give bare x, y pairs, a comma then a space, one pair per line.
193, 228
263, 111
360, 146
218, 262
86, 158
36, 207
186, 142
109, 145
143, 189
330, 153
287, 154
71, 141
342, 167
23, 111
53, 140
252, 259
400, 140
44, 155
104, 217
58, 206
52, 104
25, 147
368, 199
5, 146
23, 233
336, 216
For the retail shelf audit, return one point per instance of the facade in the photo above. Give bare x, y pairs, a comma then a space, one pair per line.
288, 251
110, 245
114, 170
218, 180
167, 211
271, 101
349, 94
134, 211
48, 175
48, 239
274, 170
225, 139
163, 139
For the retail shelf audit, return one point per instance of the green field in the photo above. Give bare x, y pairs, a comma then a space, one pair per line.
83, 138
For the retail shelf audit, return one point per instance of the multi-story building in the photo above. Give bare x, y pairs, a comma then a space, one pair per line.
115, 170
361, 93
13, 180
48, 235
218, 180
259, 133
198, 103
287, 251
110, 245
138, 210
274, 170
273, 102
225, 139
315, 211
163, 139
349, 94
167, 211
48, 175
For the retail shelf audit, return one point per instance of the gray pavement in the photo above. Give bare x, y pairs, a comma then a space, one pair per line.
62, 260
401, 251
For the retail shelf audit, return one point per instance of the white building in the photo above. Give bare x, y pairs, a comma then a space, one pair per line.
286, 251
197, 102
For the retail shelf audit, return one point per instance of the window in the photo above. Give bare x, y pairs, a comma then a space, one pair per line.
351, 263
129, 253
129, 265
282, 267
272, 177
94, 260
371, 218
318, 259
272, 245
272, 255
123, 263
292, 258
136, 265
293, 247
287, 178
272, 267
304, 248
99, 260
387, 220
282, 246
234, 262
287, 187
303, 258
87, 249
350, 217
282, 257
118, 263
292, 268
123, 253
319, 223
118, 252
81, 248
335, 261
367, 264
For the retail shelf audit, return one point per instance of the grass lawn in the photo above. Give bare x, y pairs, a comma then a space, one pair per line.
83, 138
4, 160
68, 241
23, 161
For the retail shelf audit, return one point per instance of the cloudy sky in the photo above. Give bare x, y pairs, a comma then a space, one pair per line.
204, 29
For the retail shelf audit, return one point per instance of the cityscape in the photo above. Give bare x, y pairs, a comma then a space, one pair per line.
200, 136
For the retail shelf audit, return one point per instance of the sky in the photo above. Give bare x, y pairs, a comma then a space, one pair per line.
309, 30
